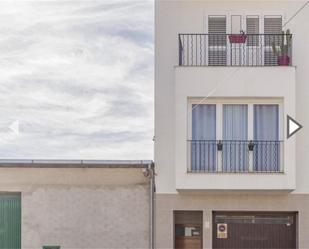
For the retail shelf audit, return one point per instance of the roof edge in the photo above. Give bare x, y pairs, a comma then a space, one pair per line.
55, 163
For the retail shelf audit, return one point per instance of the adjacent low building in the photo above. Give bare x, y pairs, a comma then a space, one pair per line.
75, 204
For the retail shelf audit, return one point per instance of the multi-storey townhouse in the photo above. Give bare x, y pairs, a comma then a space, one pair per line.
226, 78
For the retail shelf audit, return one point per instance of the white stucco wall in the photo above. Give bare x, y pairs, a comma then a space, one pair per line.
227, 84
173, 17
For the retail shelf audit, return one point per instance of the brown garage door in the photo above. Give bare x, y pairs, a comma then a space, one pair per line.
254, 230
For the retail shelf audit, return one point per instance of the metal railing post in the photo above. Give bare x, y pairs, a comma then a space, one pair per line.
180, 50
235, 156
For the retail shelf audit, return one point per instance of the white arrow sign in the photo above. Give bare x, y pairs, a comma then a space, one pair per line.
293, 126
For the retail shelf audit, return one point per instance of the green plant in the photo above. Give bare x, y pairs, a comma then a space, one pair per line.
282, 47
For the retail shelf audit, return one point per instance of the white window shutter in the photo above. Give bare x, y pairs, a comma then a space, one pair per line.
217, 25
217, 40
253, 29
252, 26
272, 27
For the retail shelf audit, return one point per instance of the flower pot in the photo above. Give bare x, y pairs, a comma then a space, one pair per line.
283, 60
251, 146
238, 38
219, 146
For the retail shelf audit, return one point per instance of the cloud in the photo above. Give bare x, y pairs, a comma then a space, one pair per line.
78, 75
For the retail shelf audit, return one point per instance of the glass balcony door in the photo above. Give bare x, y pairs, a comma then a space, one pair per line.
235, 136
266, 153
203, 144
217, 43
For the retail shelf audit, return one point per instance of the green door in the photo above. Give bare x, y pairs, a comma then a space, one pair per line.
10, 221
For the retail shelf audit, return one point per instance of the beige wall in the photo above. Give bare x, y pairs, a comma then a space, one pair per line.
166, 204
80, 207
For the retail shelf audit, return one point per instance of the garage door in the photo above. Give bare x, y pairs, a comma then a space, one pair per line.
10, 221
254, 230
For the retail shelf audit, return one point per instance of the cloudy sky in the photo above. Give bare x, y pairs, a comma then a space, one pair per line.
76, 79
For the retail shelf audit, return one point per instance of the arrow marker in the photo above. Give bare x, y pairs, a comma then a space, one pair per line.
293, 126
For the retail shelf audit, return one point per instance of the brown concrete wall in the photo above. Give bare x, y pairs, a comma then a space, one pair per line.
81, 208
167, 203
184, 217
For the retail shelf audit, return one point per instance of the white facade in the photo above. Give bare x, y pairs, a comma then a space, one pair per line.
176, 86
239, 88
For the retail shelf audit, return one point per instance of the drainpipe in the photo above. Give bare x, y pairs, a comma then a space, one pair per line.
150, 173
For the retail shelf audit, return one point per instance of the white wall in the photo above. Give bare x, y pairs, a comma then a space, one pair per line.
270, 85
173, 17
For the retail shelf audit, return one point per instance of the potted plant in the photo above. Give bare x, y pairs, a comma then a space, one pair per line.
238, 38
283, 51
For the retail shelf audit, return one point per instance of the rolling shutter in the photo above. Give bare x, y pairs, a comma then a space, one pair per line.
272, 27
253, 29
217, 40
217, 25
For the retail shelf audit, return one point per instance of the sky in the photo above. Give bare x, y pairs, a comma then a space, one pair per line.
76, 79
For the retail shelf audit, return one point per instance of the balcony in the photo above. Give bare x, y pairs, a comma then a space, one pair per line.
235, 49
213, 70
214, 165
228, 85
231, 156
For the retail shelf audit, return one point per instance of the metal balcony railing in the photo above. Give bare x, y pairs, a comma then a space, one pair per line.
235, 49
231, 156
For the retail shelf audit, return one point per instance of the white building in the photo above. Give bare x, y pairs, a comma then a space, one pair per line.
226, 78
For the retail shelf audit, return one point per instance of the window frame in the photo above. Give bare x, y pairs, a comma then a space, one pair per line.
219, 102
243, 23
244, 14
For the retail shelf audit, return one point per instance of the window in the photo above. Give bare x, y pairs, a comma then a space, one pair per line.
252, 25
266, 133
254, 41
255, 50
253, 29
235, 137
236, 26
216, 24
272, 27
203, 144
217, 40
